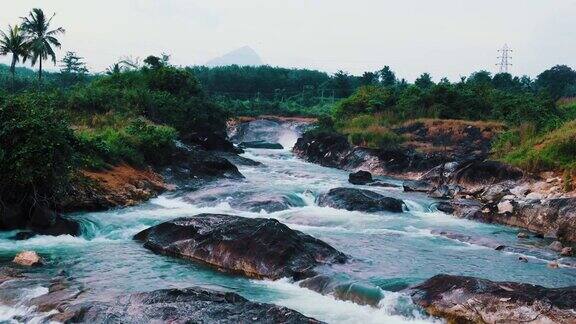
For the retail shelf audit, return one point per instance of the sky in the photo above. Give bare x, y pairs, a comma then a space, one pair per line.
446, 38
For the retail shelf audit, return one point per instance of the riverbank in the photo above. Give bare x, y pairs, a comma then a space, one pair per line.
455, 167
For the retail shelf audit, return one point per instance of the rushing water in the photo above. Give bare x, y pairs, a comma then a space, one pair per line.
388, 250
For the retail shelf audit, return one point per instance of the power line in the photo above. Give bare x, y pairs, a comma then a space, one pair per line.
504, 58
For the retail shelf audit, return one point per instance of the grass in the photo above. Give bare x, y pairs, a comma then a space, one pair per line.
555, 150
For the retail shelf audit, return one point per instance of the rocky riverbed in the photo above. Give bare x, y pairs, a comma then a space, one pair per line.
277, 239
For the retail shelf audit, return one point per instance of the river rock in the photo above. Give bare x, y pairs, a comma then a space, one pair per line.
556, 246
189, 305
359, 200
28, 259
417, 186
485, 173
360, 177
567, 251
472, 300
505, 207
534, 196
254, 247
261, 145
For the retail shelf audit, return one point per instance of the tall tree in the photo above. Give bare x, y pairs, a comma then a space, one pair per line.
556, 80
369, 78
424, 81
14, 42
41, 37
387, 76
342, 84
71, 63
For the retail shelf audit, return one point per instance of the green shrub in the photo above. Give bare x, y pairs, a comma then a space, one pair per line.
36, 145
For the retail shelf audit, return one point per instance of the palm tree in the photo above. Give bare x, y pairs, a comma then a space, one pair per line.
41, 38
14, 42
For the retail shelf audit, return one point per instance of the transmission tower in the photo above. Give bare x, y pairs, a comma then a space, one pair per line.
504, 58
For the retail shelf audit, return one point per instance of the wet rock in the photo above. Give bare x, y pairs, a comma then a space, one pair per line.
255, 247
567, 251
523, 259
20, 236
472, 300
28, 259
237, 159
210, 141
505, 207
61, 292
551, 217
523, 235
344, 289
359, 200
324, 148
190, 167
382, 184
189, 305
268, 204
476, 240
417, 186
445, 191
485, 173
261, 145
37, 218
463, 208
494, 192
556, 246
360, 178
553, 265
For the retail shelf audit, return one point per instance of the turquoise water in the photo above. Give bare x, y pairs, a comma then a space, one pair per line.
388, 250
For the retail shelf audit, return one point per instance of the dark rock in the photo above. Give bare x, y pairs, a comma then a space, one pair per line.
324, 148
382, 184
485, 173
189, 305
417, 186
360, 200
266, 203
191, 167
261, 145
237, 159
37, 218
471, 300
210, 141
255, 247
20, 236
360, 178
445, 191
551, 218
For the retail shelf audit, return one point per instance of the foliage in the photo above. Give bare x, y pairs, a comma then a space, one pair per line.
36, 146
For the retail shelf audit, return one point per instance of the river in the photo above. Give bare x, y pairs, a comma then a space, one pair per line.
390, 251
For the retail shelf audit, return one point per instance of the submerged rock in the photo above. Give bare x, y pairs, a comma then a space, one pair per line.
255, 247
466, 299
360, 200
189, 305
360, 178
356, 292
261, 145
28, 259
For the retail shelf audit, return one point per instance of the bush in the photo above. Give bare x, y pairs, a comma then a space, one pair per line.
36, 147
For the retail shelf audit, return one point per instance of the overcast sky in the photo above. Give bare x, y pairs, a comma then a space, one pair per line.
443, 37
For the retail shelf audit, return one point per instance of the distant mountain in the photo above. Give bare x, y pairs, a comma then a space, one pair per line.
242, 56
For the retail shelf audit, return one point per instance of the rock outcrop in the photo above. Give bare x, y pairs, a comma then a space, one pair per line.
37, 218
189, 305
254, 247
360, 177
360, 200
472, 300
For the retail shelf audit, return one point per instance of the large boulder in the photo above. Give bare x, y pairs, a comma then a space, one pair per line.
359, 200
37, 217
417, 186
324, 148
191, 167
360, 177
255, 247
189, 305
485, 173
471, 300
